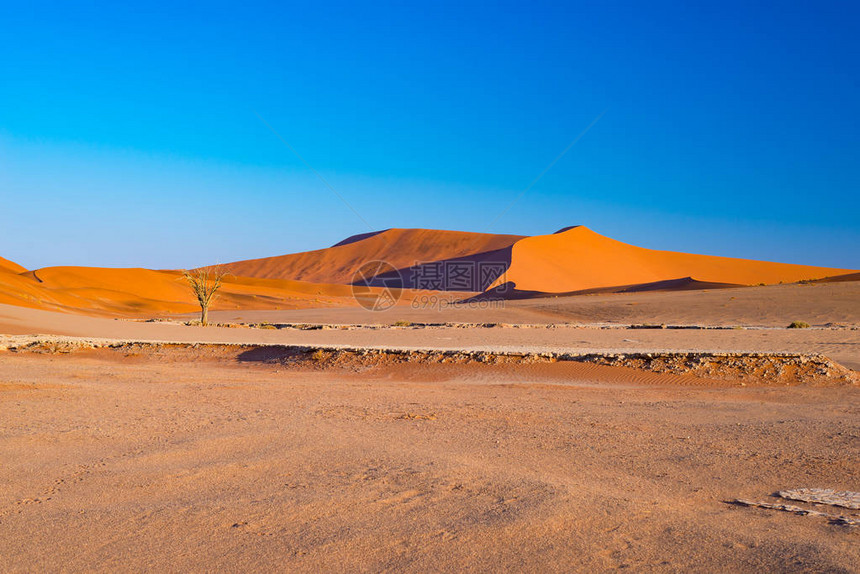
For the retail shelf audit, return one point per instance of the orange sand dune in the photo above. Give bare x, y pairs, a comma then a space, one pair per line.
574, 259
578, 258
6, 265
146, 292
18, 287
401, 248
24, 291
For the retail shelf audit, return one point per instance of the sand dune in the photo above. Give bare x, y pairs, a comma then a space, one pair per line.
6, 265
578, 259
227, 457
17, 289
146, 292
401, 248
574, 260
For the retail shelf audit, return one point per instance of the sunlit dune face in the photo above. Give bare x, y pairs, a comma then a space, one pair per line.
579, 259
10, 266
146, 292
571, 260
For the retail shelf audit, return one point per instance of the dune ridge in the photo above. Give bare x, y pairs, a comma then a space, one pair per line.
401, 248
573, 260
578, 259
10, 266
136, 291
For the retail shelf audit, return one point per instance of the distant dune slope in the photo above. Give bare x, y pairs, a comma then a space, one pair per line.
147, 292
571, 260
6, 265
578, 258
16, 289
402, 248
24, 291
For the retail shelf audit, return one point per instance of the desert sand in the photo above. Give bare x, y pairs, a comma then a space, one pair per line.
6, 265
572, 260
179, 459
578, 258
452, 432
145, 293
840, 343
401, 248
819, 304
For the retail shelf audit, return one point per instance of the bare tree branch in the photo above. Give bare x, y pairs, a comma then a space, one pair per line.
205, 282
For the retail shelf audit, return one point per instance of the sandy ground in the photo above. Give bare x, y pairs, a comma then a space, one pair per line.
840, 344
217, 458
181, 460
772, 306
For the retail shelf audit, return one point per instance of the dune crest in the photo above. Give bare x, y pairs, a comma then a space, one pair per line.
578, 259
135, 292
573, 260
11, 266
402, 248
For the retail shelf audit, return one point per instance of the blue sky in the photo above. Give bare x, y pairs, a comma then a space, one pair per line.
129, 134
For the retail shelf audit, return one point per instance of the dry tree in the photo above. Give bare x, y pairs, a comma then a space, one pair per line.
205, 282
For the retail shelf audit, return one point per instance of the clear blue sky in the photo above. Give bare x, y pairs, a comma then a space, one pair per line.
128, 134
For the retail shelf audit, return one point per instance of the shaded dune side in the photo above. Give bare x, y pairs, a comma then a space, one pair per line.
508, 290
579, 259
401, 248
470, 273
840, 278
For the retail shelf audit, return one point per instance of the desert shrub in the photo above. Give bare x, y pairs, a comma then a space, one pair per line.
403, 323
798, 325
319, 356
